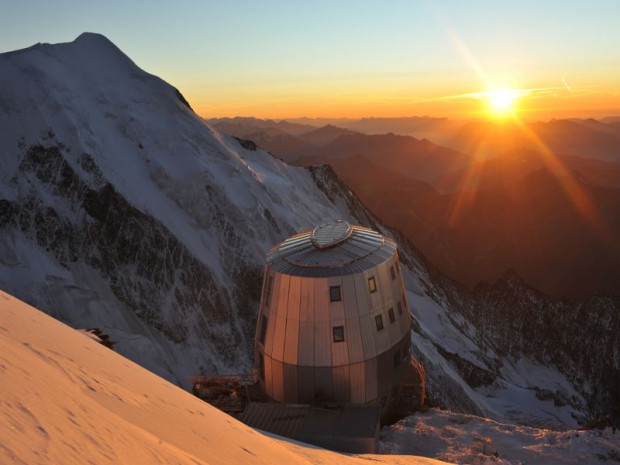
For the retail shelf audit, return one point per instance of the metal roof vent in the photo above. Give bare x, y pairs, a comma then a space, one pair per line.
330, 234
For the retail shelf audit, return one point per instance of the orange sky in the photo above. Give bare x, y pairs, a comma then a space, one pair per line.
280, 59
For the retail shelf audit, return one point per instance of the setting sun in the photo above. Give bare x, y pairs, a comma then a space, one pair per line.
501, 102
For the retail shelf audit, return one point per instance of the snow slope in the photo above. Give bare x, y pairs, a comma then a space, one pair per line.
64, 398
467, 439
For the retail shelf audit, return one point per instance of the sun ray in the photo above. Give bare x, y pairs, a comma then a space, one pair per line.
500, 102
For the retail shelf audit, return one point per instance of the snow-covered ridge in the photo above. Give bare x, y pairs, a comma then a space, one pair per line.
64, 398
123, 210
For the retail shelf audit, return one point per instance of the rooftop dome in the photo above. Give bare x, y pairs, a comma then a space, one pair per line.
334, 248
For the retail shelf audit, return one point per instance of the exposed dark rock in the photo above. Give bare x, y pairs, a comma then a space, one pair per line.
247, 144
182, 99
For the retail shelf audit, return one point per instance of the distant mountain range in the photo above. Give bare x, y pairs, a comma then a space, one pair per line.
506, 200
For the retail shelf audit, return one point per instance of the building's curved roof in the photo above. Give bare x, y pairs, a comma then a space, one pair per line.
332, 249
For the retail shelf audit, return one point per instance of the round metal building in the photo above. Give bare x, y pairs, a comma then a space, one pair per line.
333, 324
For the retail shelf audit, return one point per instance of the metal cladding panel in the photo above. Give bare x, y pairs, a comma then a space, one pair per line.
342, 385
367, 330
336, 309
353, 335
340, 350
306, 304
268, 377
353, 338
385, 372
305, 383
357, 383
279, 335
323, 384
305, 351
375, 298
290, 384
349, 297
271, 313
281, 304
291, 338
322, 344
382, 337
267, 272
262, 308
361, 294
394, 329
397, 283
387, 293
321, 300
277, 373
370, 376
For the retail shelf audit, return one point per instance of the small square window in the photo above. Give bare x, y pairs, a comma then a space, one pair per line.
338, 333
391, 315
268, 292
392, 272
263, 329
334, 294
397, 359
379, 322
400, 308
372, 284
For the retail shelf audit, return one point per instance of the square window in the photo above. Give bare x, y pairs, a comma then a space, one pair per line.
400, 308
268, 292
338, 333
372, 284
405, 351
392, 272
391, 315
379, 322
334, 294
397, 359
263, 329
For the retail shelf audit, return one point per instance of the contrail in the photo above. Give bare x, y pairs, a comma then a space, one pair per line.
570, 89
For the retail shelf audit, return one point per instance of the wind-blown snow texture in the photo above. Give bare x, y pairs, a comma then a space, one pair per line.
64, 398
467, 439
120, 209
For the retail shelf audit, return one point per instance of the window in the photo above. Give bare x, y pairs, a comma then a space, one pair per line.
338, 333
391, 315
334, 294
400, 308
405, 351
269, 289
379, 322
392, 273
263, 329
397, 359
372, 284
